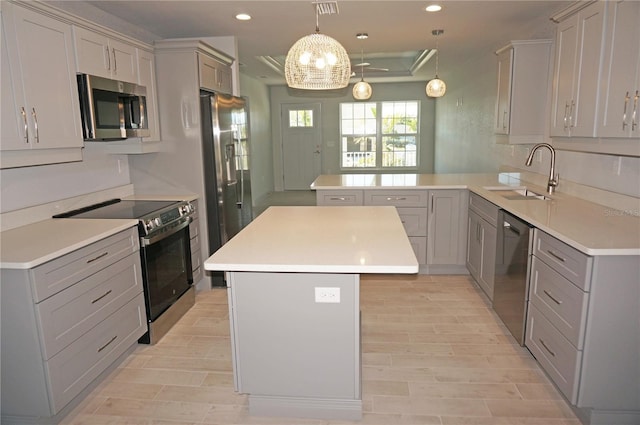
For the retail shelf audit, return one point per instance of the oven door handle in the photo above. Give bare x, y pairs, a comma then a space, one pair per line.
149, 240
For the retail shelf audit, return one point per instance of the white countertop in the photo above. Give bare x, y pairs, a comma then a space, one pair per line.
29, 246
589, 227
319, 240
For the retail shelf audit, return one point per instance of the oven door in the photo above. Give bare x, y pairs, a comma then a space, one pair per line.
166, 268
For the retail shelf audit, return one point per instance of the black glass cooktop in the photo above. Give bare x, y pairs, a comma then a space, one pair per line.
116, 208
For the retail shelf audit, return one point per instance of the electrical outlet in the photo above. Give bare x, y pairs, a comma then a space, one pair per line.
327, 295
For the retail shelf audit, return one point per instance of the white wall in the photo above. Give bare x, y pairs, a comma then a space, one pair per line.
30, 186
330, 125
260, 133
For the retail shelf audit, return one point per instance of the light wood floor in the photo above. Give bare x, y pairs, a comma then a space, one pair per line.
433, 353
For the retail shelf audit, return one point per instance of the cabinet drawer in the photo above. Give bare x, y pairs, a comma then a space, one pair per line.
66, 316
196, 265
414, 220
484, 208
563, 303
58, 274
194, 228
71, 370
556, 355
568, 261
397, 198
419, 245
339, 197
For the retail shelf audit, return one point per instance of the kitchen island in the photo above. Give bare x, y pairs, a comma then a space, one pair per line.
293, 281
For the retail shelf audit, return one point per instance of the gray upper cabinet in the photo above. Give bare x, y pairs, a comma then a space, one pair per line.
619, 111
523, 73
596, 82
577, 73
215, 74
38, 65
104, 56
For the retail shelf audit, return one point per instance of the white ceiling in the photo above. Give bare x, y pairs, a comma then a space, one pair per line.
398, 30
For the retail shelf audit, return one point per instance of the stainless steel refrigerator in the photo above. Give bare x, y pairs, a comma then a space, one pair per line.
225, 138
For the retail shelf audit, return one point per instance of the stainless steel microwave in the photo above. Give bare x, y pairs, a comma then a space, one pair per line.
112, 110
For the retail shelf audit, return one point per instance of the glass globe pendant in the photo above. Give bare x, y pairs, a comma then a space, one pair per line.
362, 90
436, 87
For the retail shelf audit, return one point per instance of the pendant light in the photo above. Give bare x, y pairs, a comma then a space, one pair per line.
362, 90
317, 61
436, 87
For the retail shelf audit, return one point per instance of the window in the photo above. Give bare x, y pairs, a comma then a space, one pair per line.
301, 118
379, 134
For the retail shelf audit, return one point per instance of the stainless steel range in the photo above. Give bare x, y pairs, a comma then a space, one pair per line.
165, 256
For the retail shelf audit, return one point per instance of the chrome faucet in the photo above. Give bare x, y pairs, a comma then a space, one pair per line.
553, 177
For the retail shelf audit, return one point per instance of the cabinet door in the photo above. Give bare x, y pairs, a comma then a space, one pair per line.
147, 78
207, 68
447, 216
577, 73
93, 54
488, 235
14, 129
125, 61
620, 90
503, 104
225, 79
565, 59
474, 245
584, 107
41, 53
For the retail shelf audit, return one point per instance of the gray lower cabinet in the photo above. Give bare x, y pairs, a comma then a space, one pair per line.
583, 328
481, 242
411, 207
64, 323
435, 220
294, 356
446, 241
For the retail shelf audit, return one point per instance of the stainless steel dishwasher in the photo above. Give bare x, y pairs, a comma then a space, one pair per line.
511, 286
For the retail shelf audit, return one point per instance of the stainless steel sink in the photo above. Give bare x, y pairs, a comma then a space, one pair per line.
519, 193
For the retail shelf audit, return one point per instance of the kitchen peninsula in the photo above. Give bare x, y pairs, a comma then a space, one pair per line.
293, 288
581, 308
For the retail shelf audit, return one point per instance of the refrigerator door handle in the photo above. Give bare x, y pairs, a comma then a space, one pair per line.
230, 163
240, 201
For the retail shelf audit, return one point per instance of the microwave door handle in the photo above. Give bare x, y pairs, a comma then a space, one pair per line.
123, 130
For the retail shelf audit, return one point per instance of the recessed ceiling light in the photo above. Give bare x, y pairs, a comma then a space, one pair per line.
433, 8
243, 16
362, 36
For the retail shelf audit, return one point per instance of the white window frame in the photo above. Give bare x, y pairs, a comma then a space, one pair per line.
360, 129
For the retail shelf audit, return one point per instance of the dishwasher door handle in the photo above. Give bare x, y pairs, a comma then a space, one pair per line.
508, 226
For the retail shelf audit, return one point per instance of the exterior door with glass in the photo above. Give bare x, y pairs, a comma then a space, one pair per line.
301, 145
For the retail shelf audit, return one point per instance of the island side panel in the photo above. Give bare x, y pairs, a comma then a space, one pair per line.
288, 345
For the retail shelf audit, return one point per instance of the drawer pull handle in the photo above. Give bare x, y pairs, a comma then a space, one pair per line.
397, 198
546, 348
338, 199
555, 300
556, 256
101, 297
104, 254
107, 344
